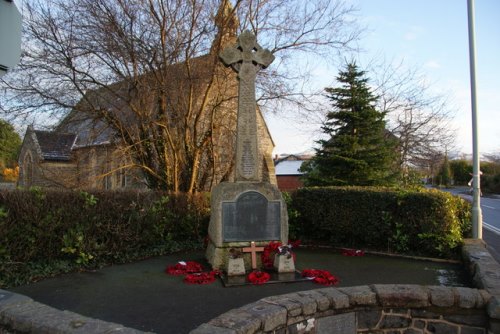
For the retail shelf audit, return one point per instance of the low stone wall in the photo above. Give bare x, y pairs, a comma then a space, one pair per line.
20, 314
381, 309
408, 309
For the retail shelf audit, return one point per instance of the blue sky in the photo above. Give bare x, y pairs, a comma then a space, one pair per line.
430, 35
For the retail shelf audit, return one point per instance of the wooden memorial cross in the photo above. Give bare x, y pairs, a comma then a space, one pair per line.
253, 250
247, 57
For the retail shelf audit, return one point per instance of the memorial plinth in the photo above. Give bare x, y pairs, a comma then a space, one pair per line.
242, 213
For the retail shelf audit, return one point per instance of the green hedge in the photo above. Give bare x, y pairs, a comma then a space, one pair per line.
425, 222
47, 232
43, 233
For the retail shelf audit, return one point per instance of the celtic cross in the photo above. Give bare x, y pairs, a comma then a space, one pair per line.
247, 57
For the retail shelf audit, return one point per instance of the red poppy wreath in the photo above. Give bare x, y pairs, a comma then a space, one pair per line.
323, 277
201, 278
258, 277
183, 268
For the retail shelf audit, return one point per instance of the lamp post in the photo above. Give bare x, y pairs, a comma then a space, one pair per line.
477, 217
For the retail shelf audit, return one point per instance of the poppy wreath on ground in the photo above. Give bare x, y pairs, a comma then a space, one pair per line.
183, 268
258, 277
352, 252
322, 277
201, 278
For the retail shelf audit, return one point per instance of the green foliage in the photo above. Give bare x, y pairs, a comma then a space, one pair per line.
90, 200
490, 183
490, 179
461, 171
420, 222
10, 143
294, 231
444, 176
358, 150
47, 232
490, 168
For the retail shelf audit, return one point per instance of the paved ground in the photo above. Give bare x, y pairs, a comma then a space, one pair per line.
141, 296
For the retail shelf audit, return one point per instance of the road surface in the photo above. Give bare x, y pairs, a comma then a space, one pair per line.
490, 207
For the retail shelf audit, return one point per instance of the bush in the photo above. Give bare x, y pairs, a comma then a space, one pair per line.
47, 232
490, 183
461, 171
425, 222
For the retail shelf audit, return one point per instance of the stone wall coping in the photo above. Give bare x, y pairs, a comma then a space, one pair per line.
484, 271
278, 312
21, 314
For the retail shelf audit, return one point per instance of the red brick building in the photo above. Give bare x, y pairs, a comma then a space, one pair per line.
288, 172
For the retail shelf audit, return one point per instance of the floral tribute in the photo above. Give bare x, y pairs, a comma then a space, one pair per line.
201, 278
193, 272
275, 247
322, 277
258, 277
352, 252
183, 268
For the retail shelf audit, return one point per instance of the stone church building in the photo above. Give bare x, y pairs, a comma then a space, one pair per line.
85, 152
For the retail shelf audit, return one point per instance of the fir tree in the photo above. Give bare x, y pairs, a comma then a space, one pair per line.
359, 150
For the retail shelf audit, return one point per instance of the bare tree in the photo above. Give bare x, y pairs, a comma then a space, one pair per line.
419, 118
149, 71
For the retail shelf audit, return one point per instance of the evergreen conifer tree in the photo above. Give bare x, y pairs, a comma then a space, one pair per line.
359, 150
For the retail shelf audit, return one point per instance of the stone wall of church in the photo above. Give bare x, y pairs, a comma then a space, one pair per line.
105, 167
36, 172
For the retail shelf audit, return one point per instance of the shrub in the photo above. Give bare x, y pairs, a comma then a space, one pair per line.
46, 232
461, 171
490, 183
423, 222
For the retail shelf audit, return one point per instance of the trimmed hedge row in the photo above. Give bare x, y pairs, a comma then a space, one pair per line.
43, 233
48, 232
425, 222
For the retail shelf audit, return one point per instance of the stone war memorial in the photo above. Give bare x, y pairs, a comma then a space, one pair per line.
248, 213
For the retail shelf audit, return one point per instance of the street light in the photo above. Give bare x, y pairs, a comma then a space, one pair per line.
477, 217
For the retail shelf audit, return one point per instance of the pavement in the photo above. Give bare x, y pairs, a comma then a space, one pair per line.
141, 296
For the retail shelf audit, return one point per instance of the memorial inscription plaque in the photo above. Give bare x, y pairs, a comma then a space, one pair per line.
251, 218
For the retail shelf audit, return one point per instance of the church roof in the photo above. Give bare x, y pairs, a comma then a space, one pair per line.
55, 146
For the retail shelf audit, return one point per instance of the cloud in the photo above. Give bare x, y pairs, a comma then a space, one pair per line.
434, 64
413, 33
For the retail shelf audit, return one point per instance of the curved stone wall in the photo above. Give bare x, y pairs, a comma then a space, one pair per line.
381, 309
361, 309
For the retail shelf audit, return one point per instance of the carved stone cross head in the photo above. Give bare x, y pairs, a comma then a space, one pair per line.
248, 51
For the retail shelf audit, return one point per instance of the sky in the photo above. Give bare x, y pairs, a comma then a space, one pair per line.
431, 35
